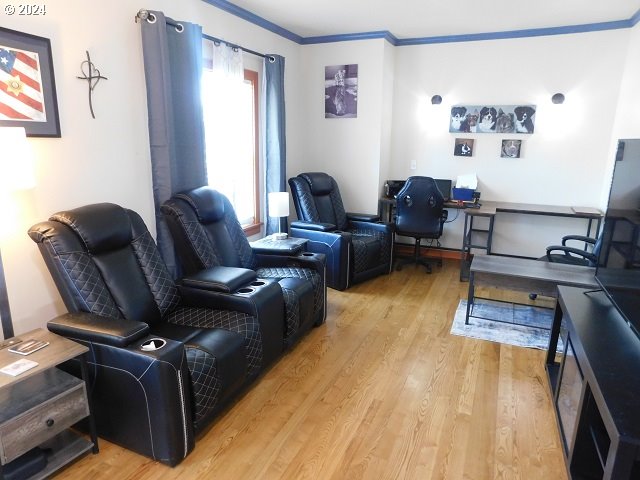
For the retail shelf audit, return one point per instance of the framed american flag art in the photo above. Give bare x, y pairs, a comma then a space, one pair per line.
27, 84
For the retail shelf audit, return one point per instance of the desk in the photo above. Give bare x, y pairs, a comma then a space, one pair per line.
490, 209
387, 205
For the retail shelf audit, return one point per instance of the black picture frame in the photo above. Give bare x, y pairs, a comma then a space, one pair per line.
47, 121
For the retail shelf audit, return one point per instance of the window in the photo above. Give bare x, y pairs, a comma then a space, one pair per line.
230, 109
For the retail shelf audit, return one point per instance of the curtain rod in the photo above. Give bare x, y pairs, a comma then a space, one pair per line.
151, 18
233, 45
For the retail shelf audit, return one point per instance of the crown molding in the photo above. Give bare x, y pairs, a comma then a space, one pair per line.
401, 42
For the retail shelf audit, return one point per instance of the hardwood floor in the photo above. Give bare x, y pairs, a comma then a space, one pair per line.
381, 391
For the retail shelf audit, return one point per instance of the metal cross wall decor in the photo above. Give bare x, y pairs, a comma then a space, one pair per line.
92, 75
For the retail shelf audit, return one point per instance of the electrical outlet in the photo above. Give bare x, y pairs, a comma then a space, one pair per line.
413, 165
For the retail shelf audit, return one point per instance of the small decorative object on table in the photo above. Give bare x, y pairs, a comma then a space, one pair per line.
28, 346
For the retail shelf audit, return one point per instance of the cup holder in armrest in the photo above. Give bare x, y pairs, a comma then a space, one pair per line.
153, 344
258, 283
245, 290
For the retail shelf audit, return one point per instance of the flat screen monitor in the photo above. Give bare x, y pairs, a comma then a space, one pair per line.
618, 268
445, 188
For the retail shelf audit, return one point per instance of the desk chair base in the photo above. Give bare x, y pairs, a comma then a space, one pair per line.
417, 259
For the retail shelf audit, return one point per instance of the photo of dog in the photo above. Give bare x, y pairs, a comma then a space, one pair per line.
463, 147
492, 118
510, 148
457, 117
470, 122
487, 123
524, 118
504, 122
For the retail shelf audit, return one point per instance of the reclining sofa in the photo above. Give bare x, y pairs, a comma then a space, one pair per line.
164, 357
207, 234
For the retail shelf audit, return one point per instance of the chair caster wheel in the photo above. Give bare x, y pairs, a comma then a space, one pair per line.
533, 296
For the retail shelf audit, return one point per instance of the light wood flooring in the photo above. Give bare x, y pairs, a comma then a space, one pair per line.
381, 391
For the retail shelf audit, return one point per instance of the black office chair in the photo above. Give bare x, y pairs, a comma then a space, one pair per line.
419, 214
586, 256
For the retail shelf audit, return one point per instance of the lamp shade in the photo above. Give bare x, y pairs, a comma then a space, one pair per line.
278, 204
16, 161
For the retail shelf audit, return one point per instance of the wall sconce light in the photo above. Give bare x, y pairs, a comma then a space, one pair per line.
436, 100
16, 173
557, 98
279, 208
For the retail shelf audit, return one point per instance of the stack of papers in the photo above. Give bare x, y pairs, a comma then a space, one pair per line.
19, 366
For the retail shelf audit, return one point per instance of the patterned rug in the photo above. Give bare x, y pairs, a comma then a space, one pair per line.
520, 325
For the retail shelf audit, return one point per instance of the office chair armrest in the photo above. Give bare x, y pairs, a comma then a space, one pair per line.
571, 251
363, 217
117, 332
579, 238
317, 226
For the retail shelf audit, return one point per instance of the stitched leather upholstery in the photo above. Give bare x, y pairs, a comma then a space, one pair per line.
356, 249
207, 234
105, 263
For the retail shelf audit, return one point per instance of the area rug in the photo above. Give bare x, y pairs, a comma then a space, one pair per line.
520, 325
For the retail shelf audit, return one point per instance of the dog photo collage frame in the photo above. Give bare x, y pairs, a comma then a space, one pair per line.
491, 119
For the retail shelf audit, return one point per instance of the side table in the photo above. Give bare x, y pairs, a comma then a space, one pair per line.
286, 246
38, 406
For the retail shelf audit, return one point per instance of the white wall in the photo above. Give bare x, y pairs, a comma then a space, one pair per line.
106, 159
349, 149
563, 162
627, 124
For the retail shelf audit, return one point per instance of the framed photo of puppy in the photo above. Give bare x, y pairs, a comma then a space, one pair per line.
492, 119
463, 147
511, 148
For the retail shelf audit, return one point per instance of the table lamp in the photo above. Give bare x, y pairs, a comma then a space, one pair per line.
279, 208
16, 173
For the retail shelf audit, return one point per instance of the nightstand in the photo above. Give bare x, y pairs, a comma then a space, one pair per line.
286, 246
38, 406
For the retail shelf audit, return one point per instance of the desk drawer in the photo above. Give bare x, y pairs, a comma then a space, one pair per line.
41, 422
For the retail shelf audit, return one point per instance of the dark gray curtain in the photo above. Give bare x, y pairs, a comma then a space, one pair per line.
173, 67
274, 127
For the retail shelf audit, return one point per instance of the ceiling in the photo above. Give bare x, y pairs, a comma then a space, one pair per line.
428, 18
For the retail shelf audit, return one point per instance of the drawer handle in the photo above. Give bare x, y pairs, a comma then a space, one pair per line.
50, 422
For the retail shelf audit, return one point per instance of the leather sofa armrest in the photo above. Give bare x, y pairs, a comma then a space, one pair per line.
220, 279
363, 217
377, 226
320, 227
315, 261
117, 332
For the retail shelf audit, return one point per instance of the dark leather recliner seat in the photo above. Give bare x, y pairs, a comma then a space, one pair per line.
218, 335
357, 246
207, 233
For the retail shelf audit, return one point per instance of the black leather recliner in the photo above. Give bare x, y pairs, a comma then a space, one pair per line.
420, 214
164, 358
357, 246
207, 233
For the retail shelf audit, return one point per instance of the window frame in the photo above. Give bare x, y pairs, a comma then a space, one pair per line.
251, 76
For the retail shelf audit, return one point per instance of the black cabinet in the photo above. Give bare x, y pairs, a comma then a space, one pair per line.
593, 367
